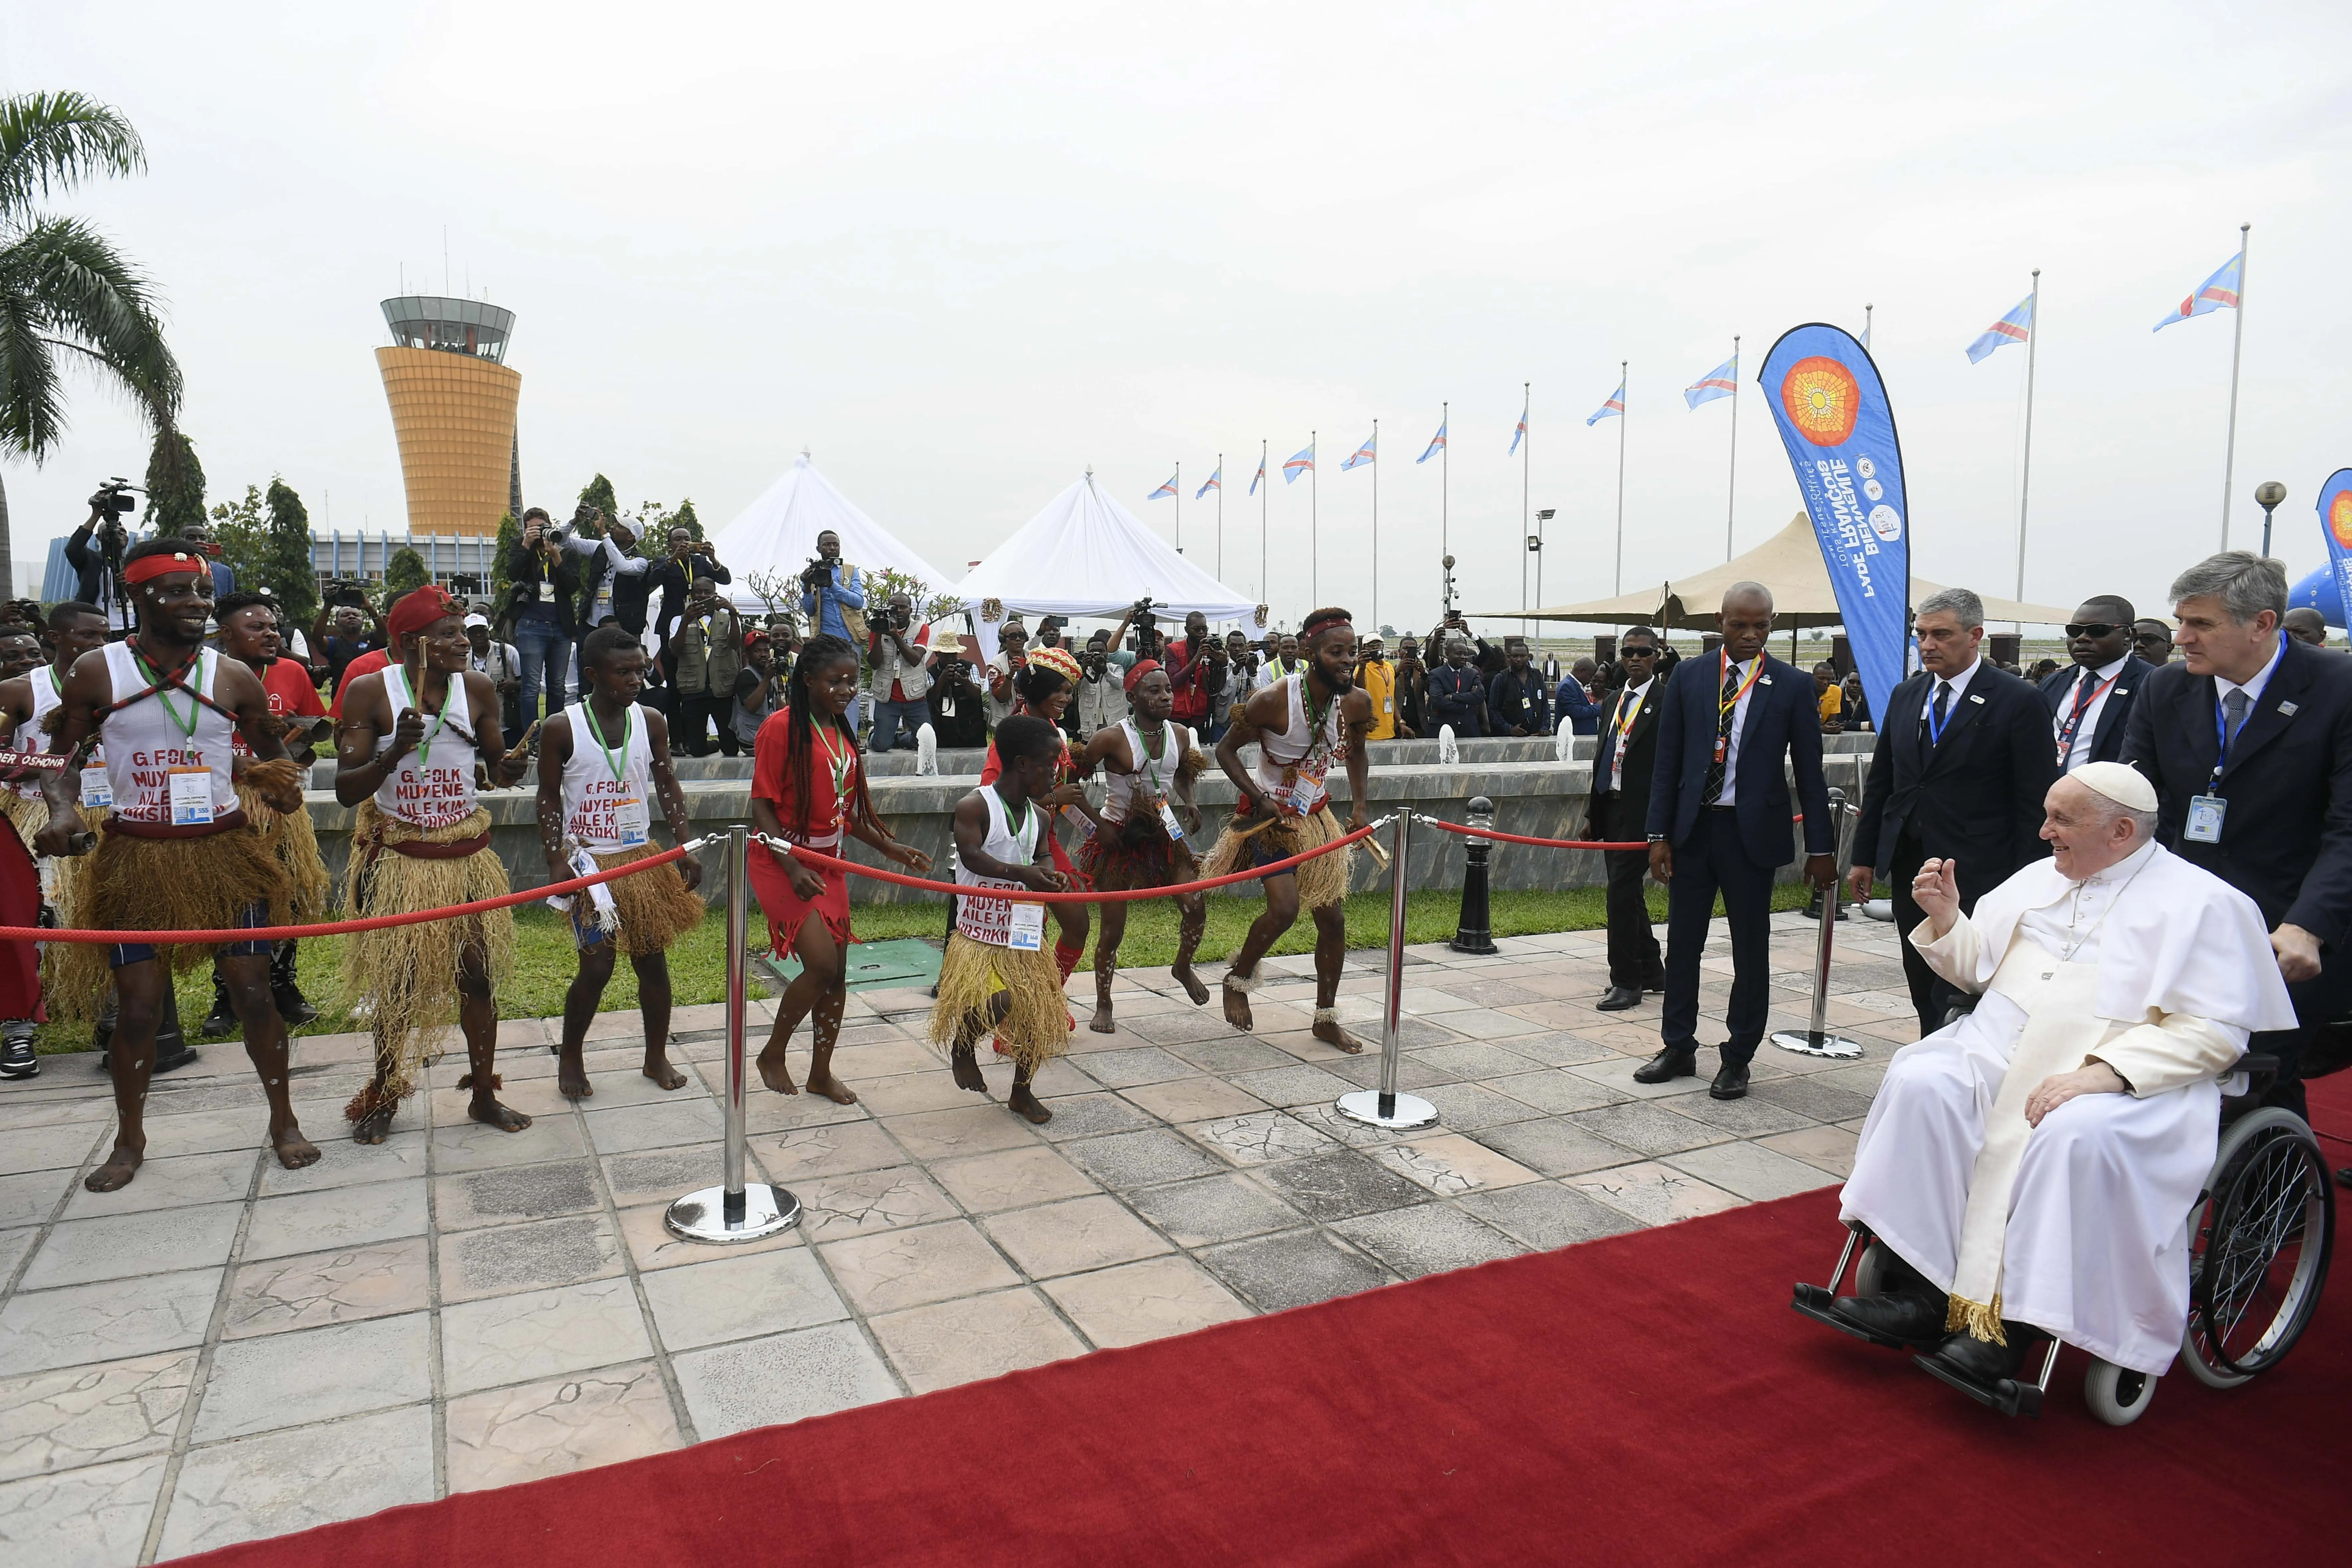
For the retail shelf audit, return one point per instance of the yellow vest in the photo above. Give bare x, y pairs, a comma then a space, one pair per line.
1380, 685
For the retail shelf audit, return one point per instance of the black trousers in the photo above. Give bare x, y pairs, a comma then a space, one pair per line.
1713, 860
1634, 959
697, 713
1931, 996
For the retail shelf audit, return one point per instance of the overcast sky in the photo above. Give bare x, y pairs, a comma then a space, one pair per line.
961, 252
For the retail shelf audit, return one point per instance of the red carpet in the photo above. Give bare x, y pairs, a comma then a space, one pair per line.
1646, 1399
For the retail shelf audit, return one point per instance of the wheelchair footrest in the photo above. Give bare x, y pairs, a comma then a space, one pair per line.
2008, 1396
1814, 1301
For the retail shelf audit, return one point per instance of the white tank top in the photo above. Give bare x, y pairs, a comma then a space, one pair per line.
991, 920
147, 746
29, 735
1292, 764
432, 786
608, 794
1152, 779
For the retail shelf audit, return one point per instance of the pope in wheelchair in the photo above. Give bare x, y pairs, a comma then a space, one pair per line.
2029, 1168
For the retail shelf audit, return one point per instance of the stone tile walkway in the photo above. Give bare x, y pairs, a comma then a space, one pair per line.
227, 1350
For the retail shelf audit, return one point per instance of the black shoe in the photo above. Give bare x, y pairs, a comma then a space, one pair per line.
16, 1057
1674, 1062
1730, 1081
222, 1020
1655, 987
1981, 1361
1619, 998
1901, 1316
293, 1008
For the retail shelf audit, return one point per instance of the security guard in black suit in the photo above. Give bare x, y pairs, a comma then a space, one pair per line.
1617, 811
1958, 772
2091, 703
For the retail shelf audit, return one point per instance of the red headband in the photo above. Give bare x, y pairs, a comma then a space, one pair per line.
418, 610
1308, 632
147, 568
1142, 668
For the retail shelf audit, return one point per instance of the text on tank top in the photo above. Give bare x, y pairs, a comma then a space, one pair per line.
607, 793
999, 922
1292, 765
164, 737
29, 735
1146, 789
432, 786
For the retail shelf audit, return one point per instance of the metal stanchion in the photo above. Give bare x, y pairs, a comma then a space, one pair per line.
1473, 929
1384, 1107
735, 1211
1815, 1040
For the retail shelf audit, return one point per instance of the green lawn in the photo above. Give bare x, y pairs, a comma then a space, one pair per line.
544, 961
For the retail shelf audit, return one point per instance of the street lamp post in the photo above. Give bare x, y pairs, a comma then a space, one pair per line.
1534, 547
2268, 494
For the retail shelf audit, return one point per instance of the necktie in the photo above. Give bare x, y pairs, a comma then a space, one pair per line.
2233, 713
1727, 708
1943, 709
2085, 686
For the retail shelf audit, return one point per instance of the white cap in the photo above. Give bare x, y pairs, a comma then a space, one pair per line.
481, 621
2122, 784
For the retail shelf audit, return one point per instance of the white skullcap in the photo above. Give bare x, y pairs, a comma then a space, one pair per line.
2122, 784
473, 621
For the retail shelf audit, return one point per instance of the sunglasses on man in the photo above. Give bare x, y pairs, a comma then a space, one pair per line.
2092, 629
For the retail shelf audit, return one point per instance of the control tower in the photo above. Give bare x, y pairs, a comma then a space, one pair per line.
453, 410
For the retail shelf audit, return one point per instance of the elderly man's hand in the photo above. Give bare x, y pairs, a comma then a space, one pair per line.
2091, 1078
2298, 952
1937, 891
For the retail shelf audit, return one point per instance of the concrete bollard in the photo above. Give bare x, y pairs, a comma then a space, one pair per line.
1474, 928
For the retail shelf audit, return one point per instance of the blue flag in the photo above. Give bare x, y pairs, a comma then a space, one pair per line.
1832, 409
1258, 475
1216, 481
1363, 454
1436, 445
2335, 523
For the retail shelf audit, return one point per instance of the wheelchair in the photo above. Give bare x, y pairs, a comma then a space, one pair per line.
2261, 1234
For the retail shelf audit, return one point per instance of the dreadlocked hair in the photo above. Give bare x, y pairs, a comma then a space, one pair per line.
822, 652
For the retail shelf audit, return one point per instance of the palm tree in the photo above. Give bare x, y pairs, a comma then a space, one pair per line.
67, 296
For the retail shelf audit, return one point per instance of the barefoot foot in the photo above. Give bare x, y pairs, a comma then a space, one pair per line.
1237, 1008
1191, 982
571, 1079
1101, 1023
294, 1151
967, 1071
657, 1068
490, 1113
120, 1167
374, 1127
822, 1081
1026, 1104
1327, 1030
776, 1074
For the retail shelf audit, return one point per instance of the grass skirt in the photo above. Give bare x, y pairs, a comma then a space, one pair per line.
27, 816
1136, 853
408, 974
75, 974
295, 844
182, 884
1322, 881
654, 908
1034, 1029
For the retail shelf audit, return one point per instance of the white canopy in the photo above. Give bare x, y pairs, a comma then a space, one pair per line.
778, 533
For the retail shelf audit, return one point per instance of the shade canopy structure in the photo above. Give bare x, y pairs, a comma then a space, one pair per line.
1085, 554
1789, 564
778, 533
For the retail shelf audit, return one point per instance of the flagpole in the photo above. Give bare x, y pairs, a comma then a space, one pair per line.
2237, 349
1178, 498
2025, 476
1866, 310
1527, 450
1619, 585
1445, 477
1376, 525
1264, 490
1313, 523
1220, 517
1731, 481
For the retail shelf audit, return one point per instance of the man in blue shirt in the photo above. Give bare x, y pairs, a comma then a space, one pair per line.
1573, 703
828, 587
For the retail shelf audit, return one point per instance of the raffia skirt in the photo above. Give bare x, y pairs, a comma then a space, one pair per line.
654, 908
1036, 1024
1322, 881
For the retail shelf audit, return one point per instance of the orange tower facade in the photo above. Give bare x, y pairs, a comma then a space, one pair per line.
454, 403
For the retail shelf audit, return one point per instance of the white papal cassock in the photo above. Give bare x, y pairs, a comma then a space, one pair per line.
2078, 1227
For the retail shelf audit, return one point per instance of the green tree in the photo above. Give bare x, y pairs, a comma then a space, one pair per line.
243, 535
176, 484
405, 571
510, 541
284, 564
598, 493
684, 518
67, 295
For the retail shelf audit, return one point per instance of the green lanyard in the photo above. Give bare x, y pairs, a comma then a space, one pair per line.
409, 699
1152, 759
1025, 836
617, 761
187, 726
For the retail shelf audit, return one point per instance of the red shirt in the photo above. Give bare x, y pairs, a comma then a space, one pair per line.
776, 775
290, 690
366, 664
1192, 700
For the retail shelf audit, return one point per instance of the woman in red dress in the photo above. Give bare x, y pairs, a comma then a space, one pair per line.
807, 788
1043, 688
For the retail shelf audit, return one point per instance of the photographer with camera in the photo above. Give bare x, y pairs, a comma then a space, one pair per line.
1412, 690
958, 705
690, 562
1012, 655
543, 607
709, 648
346, 627
901, 666
1102, 689
95, 552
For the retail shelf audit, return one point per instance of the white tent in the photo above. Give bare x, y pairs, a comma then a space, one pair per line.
777, 534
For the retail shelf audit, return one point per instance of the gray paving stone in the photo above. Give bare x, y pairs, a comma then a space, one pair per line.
106, 1322
1554, 1147
278, 1482
90, 1518
1751, 1171
120, 1246
1259, 1138
337, 1217
1211, 1209
1364, 1071
782, 1377
1142, 1159
290, 1380
1558, 1049
1127, 1069
630, 1128
1466, 1107
550, 1252
1810, 1097
1647, 1129
30, 1198
516, 1193
1749, 1117
1170, 1028
172, 1182
1486, 1024
1093, 1115
1429, 1239
1294, 1268
1231, 1055
1545, 1215
1474, 1059
1554, 1092
1340, 1185
1297, 1084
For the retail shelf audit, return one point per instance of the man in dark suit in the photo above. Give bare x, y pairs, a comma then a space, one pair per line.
1958, 772
1619, 812
2091, 703
2249, 743
1731, 729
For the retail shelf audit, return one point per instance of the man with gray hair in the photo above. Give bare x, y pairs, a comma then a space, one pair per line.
1962, 761
2248, 740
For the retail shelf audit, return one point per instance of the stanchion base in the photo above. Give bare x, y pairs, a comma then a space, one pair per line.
1409, 1110
1805, 1042
702, 1216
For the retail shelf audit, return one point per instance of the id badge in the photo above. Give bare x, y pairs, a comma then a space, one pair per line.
192, 797
95, 789
2205, 815
1168, 816
1025, 932
547, 593
1722, 748
630, 823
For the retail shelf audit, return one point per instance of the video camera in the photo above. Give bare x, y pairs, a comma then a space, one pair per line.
115, 500
338, 591
817, 571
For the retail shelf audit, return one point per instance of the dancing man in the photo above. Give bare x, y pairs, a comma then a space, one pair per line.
1147, 758
178, 852
996, 976
1303, 724
404, 756
1045, 687
808, 907
600, 761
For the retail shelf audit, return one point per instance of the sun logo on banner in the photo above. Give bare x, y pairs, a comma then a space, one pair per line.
2339, 518
1822, 399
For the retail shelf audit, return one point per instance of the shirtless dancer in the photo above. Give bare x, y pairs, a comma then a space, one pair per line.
1149, 761
1303, 724
178, 852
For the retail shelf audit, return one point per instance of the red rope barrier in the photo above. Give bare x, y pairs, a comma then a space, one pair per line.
339, 928
1128, 896
1521, 838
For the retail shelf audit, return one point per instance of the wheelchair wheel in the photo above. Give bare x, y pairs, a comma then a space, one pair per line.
2259, 1248
2115, 1395
1870, 1275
